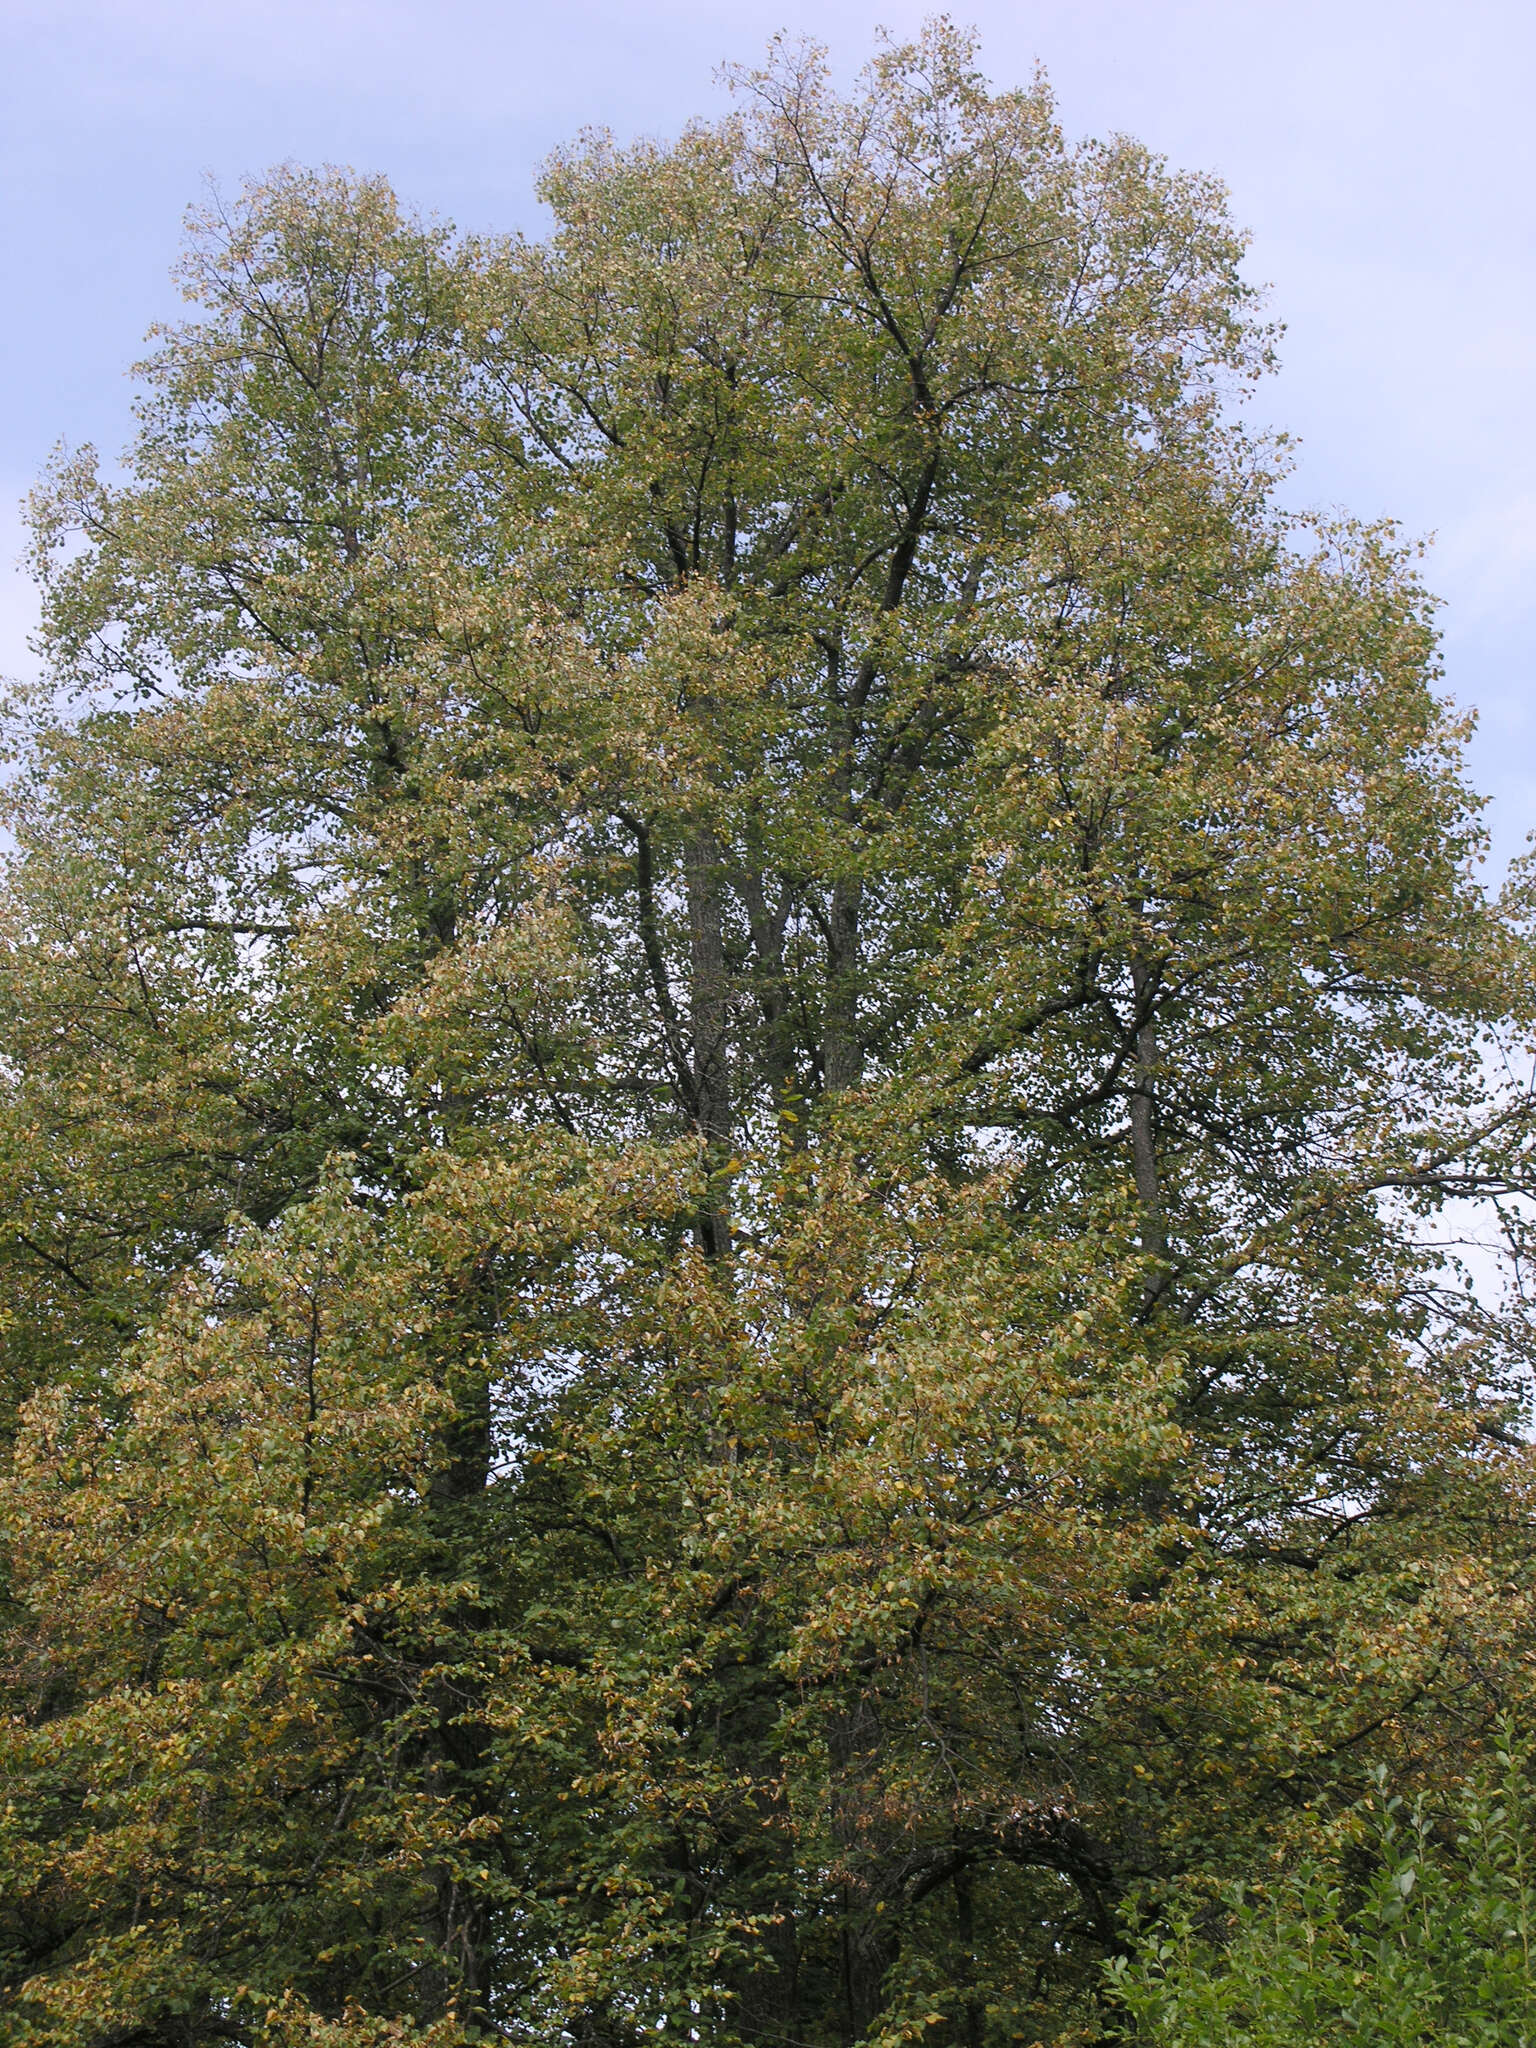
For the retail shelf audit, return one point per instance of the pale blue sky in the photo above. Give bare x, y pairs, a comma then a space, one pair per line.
1383, 153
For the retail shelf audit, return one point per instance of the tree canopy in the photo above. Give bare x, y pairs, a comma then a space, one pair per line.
742, 1012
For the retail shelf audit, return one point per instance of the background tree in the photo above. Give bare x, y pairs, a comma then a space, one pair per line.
734, 996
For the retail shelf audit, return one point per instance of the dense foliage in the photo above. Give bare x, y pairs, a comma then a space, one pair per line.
1429, 1937
737, 1002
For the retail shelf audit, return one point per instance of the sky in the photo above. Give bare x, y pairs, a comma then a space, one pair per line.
1381, 153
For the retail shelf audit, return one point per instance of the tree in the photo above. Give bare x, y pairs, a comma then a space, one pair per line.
735, 994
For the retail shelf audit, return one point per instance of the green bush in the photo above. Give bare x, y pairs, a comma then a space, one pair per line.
1414, 1926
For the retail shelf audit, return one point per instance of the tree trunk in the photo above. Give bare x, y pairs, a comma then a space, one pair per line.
842, 1056
1143, 1110
708, 1023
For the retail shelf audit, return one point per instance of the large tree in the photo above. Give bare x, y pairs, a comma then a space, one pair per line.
736, 1001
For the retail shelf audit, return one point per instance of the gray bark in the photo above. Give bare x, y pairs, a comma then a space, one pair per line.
842, 1053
